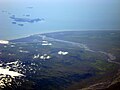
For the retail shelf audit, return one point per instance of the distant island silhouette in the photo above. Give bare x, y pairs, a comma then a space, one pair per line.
29, 20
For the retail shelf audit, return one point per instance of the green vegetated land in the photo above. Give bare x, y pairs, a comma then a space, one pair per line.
78, 69
108, 41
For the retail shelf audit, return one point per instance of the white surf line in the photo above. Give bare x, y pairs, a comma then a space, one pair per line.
110, 56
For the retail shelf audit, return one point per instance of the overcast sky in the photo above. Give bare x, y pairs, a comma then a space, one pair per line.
59, 15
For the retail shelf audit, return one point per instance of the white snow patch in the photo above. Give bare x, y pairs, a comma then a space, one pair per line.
23, 51
36, 56
4, 42
10, 54
12, 46
5, 46
46, 43
11, 73
13, 62
62, 53
7, 76
45, 56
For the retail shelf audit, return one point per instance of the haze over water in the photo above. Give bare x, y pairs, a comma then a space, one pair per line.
59, 15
